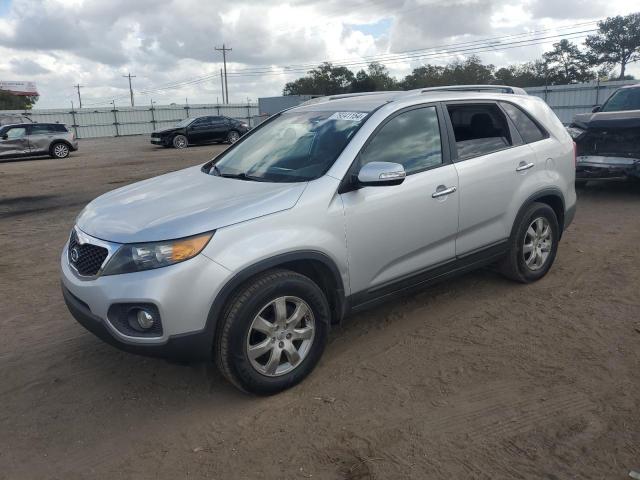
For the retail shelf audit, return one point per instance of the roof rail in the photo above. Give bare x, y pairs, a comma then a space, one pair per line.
328, 98
476, 88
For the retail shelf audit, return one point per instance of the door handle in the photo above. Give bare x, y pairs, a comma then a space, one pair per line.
524, 166
442, 191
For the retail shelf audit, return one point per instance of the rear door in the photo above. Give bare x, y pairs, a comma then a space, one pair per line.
491, 161
14, 141
40, 137
220, 127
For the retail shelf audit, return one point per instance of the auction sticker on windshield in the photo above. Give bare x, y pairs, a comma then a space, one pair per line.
349, 116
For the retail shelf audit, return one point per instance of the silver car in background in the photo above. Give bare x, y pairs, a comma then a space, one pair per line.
34, 139
323, 210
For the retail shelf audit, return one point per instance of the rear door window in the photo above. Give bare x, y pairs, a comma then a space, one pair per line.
479, 129
527, 128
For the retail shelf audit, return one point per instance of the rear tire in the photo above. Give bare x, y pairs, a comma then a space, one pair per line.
59, 150
180, 141
533, 244
273, 332
233, 136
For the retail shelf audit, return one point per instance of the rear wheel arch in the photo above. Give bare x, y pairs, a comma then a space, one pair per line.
58, 142
550, 196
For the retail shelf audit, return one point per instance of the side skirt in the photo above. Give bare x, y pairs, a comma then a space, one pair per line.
418, 280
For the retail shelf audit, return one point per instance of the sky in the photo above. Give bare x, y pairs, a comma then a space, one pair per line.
94, 43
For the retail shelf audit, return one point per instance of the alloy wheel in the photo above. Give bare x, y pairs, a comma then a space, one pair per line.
233, 137
280, 336
538, 241
61, 150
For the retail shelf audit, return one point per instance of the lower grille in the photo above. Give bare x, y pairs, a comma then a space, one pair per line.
86, 258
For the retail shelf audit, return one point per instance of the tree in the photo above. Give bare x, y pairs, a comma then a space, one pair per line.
531, 74
567, 64
374, 79
422, 77
616, 43
460, 72
322, 80
9, 101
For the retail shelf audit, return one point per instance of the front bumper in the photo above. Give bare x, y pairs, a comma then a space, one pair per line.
183, 294
593, 167
157, 141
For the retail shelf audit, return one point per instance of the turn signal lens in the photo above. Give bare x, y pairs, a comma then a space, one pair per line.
187, 248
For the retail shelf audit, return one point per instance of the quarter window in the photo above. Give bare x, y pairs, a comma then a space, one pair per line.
479, 129
411, 139
529, 131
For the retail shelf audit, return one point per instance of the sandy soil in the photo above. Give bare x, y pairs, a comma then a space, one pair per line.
476, 378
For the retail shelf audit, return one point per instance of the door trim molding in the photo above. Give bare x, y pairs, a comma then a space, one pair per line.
428, 276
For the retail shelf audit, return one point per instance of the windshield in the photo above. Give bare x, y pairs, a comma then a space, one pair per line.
293, 147
624, 99
185, 122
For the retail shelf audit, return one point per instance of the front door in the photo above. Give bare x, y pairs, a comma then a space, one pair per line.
396, 233
201, 130
14, 141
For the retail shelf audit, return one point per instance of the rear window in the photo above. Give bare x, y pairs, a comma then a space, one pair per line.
528, 129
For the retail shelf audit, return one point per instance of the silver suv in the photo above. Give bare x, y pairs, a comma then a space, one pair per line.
32, 139
323, 210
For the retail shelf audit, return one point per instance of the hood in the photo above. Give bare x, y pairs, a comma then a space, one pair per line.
165, 130
623, 119
180, 204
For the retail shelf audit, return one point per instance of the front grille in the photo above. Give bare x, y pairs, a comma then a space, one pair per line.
89, 257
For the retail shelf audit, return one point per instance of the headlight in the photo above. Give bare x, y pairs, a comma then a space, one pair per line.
575, 132
136, 257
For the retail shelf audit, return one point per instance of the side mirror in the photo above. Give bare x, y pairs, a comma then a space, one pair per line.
595, 109
5, 136
380, 174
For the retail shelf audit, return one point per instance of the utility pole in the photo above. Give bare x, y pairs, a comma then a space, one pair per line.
78, 87
222, 85
130, 89
224, 51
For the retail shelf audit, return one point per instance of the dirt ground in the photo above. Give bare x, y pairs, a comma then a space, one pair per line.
476, 378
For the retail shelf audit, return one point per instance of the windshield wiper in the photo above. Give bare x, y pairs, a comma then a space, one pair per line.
240, 176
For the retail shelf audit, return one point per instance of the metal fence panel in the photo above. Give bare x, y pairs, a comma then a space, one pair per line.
569, 100
110, 122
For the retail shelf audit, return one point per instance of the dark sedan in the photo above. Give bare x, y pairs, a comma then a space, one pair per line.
209, 129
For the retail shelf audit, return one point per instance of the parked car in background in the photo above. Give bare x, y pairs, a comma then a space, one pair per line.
11, 118
34, 139
608, 139
199, 130
322, 210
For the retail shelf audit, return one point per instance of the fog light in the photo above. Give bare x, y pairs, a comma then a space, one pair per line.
145, 319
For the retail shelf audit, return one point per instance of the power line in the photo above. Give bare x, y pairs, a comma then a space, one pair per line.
129, 76
224, 51
434, 52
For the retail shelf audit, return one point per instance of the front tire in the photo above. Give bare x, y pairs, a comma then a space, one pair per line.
273, 332
180, 141
59, 150
533, 244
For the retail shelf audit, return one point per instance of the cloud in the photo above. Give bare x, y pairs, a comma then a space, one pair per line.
24, 66
95, 42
